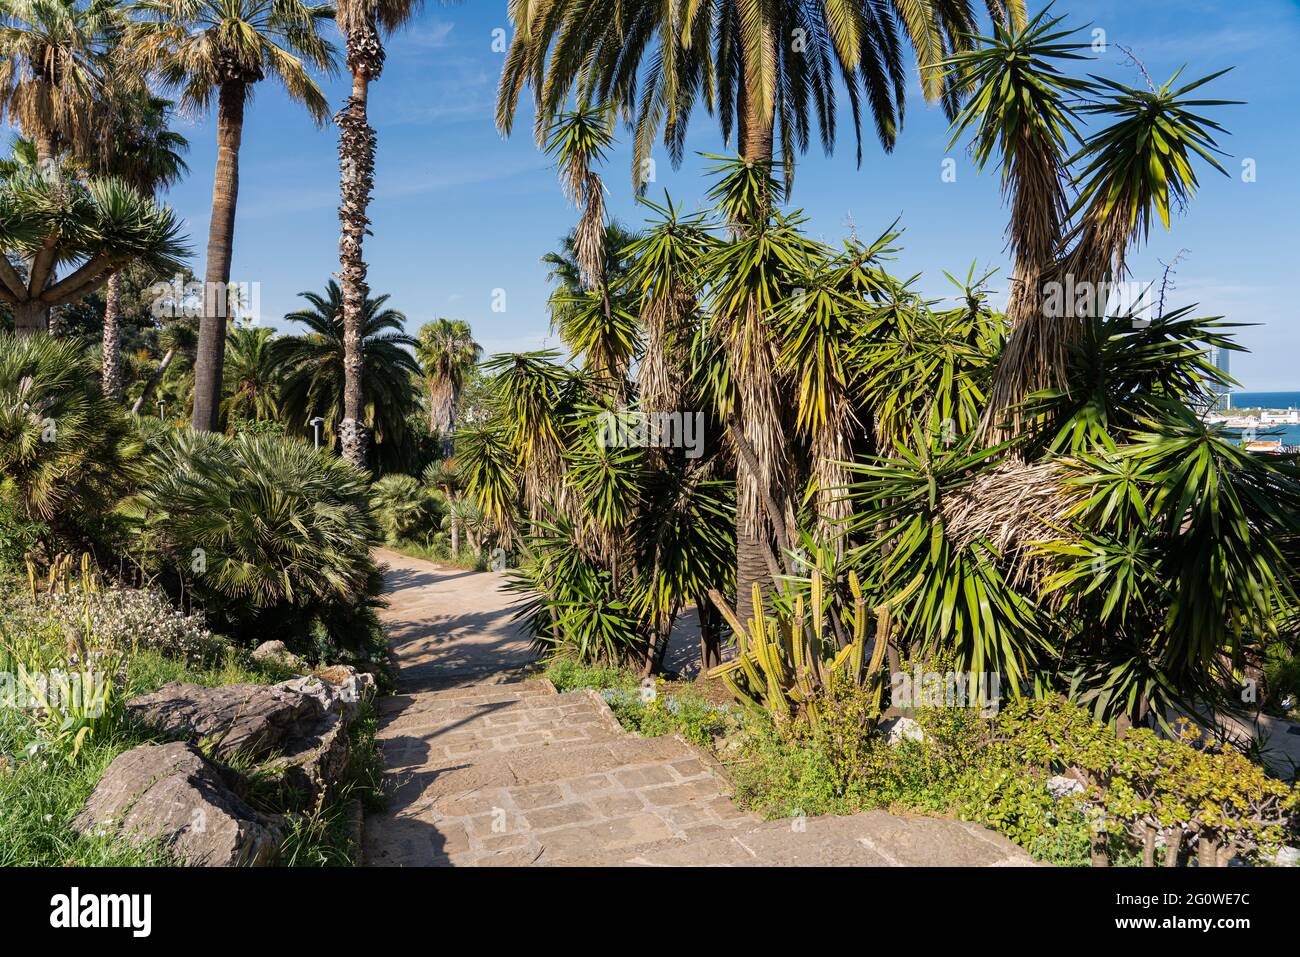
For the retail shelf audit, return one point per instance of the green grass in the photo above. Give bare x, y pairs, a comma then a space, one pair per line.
438, 553
683, 711
43, 786
40, 798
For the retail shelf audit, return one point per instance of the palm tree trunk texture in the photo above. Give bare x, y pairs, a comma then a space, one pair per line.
112, 379
30, 318
365, 56
154, 379
755, 136
221, 236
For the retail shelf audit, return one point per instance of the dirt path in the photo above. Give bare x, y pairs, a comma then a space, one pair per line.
483, 768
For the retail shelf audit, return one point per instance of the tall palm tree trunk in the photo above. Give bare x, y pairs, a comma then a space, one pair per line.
221, 236
365, 55
112, 378
752, 549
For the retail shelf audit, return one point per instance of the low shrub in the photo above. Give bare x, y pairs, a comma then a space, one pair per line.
404, 507
65, 450
683, 711
271, 537
124, 618
1144, 793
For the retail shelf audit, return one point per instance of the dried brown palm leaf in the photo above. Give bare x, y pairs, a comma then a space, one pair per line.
1013, 508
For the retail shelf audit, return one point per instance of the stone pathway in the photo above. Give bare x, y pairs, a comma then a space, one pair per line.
483, 768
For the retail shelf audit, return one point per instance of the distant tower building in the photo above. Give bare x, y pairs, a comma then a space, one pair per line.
1223, 400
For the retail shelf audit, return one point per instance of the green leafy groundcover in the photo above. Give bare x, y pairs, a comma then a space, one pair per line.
996, 771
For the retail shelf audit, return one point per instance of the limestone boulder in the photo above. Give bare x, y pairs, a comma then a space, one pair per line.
277, 652
169, 794
247, 719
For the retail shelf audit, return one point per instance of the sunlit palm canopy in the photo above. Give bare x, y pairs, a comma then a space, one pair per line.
654, 60
194, 46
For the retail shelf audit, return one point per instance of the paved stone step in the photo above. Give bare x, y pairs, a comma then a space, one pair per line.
432, 677
420, 780
471, 726
867, 839
595, 804
430, 700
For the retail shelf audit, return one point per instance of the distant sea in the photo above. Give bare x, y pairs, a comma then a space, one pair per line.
1289, 434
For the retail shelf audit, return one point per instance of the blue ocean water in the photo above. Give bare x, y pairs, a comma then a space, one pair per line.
1266, 400
1288, 434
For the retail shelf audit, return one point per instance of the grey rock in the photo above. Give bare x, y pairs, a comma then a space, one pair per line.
297, 727
314, 762
903, 729
169, 794
279, 653
247, 719
1058, 786
340, 689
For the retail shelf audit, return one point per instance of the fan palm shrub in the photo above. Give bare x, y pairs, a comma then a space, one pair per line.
65, 450
270, 536
403, 506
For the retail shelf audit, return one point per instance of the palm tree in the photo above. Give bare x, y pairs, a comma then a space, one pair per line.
176, 339
653, 61
315, 378
54, 76
57, 217
54, 69
252, 375
145, 153
360, 22
223, 48
447, 352
731, 55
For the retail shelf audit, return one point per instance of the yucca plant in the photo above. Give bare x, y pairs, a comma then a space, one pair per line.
1023, 110
1175, 566
955, 591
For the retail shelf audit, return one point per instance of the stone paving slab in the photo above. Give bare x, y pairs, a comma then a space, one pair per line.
484, 769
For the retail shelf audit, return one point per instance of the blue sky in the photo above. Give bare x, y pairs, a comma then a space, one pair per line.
459, 212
